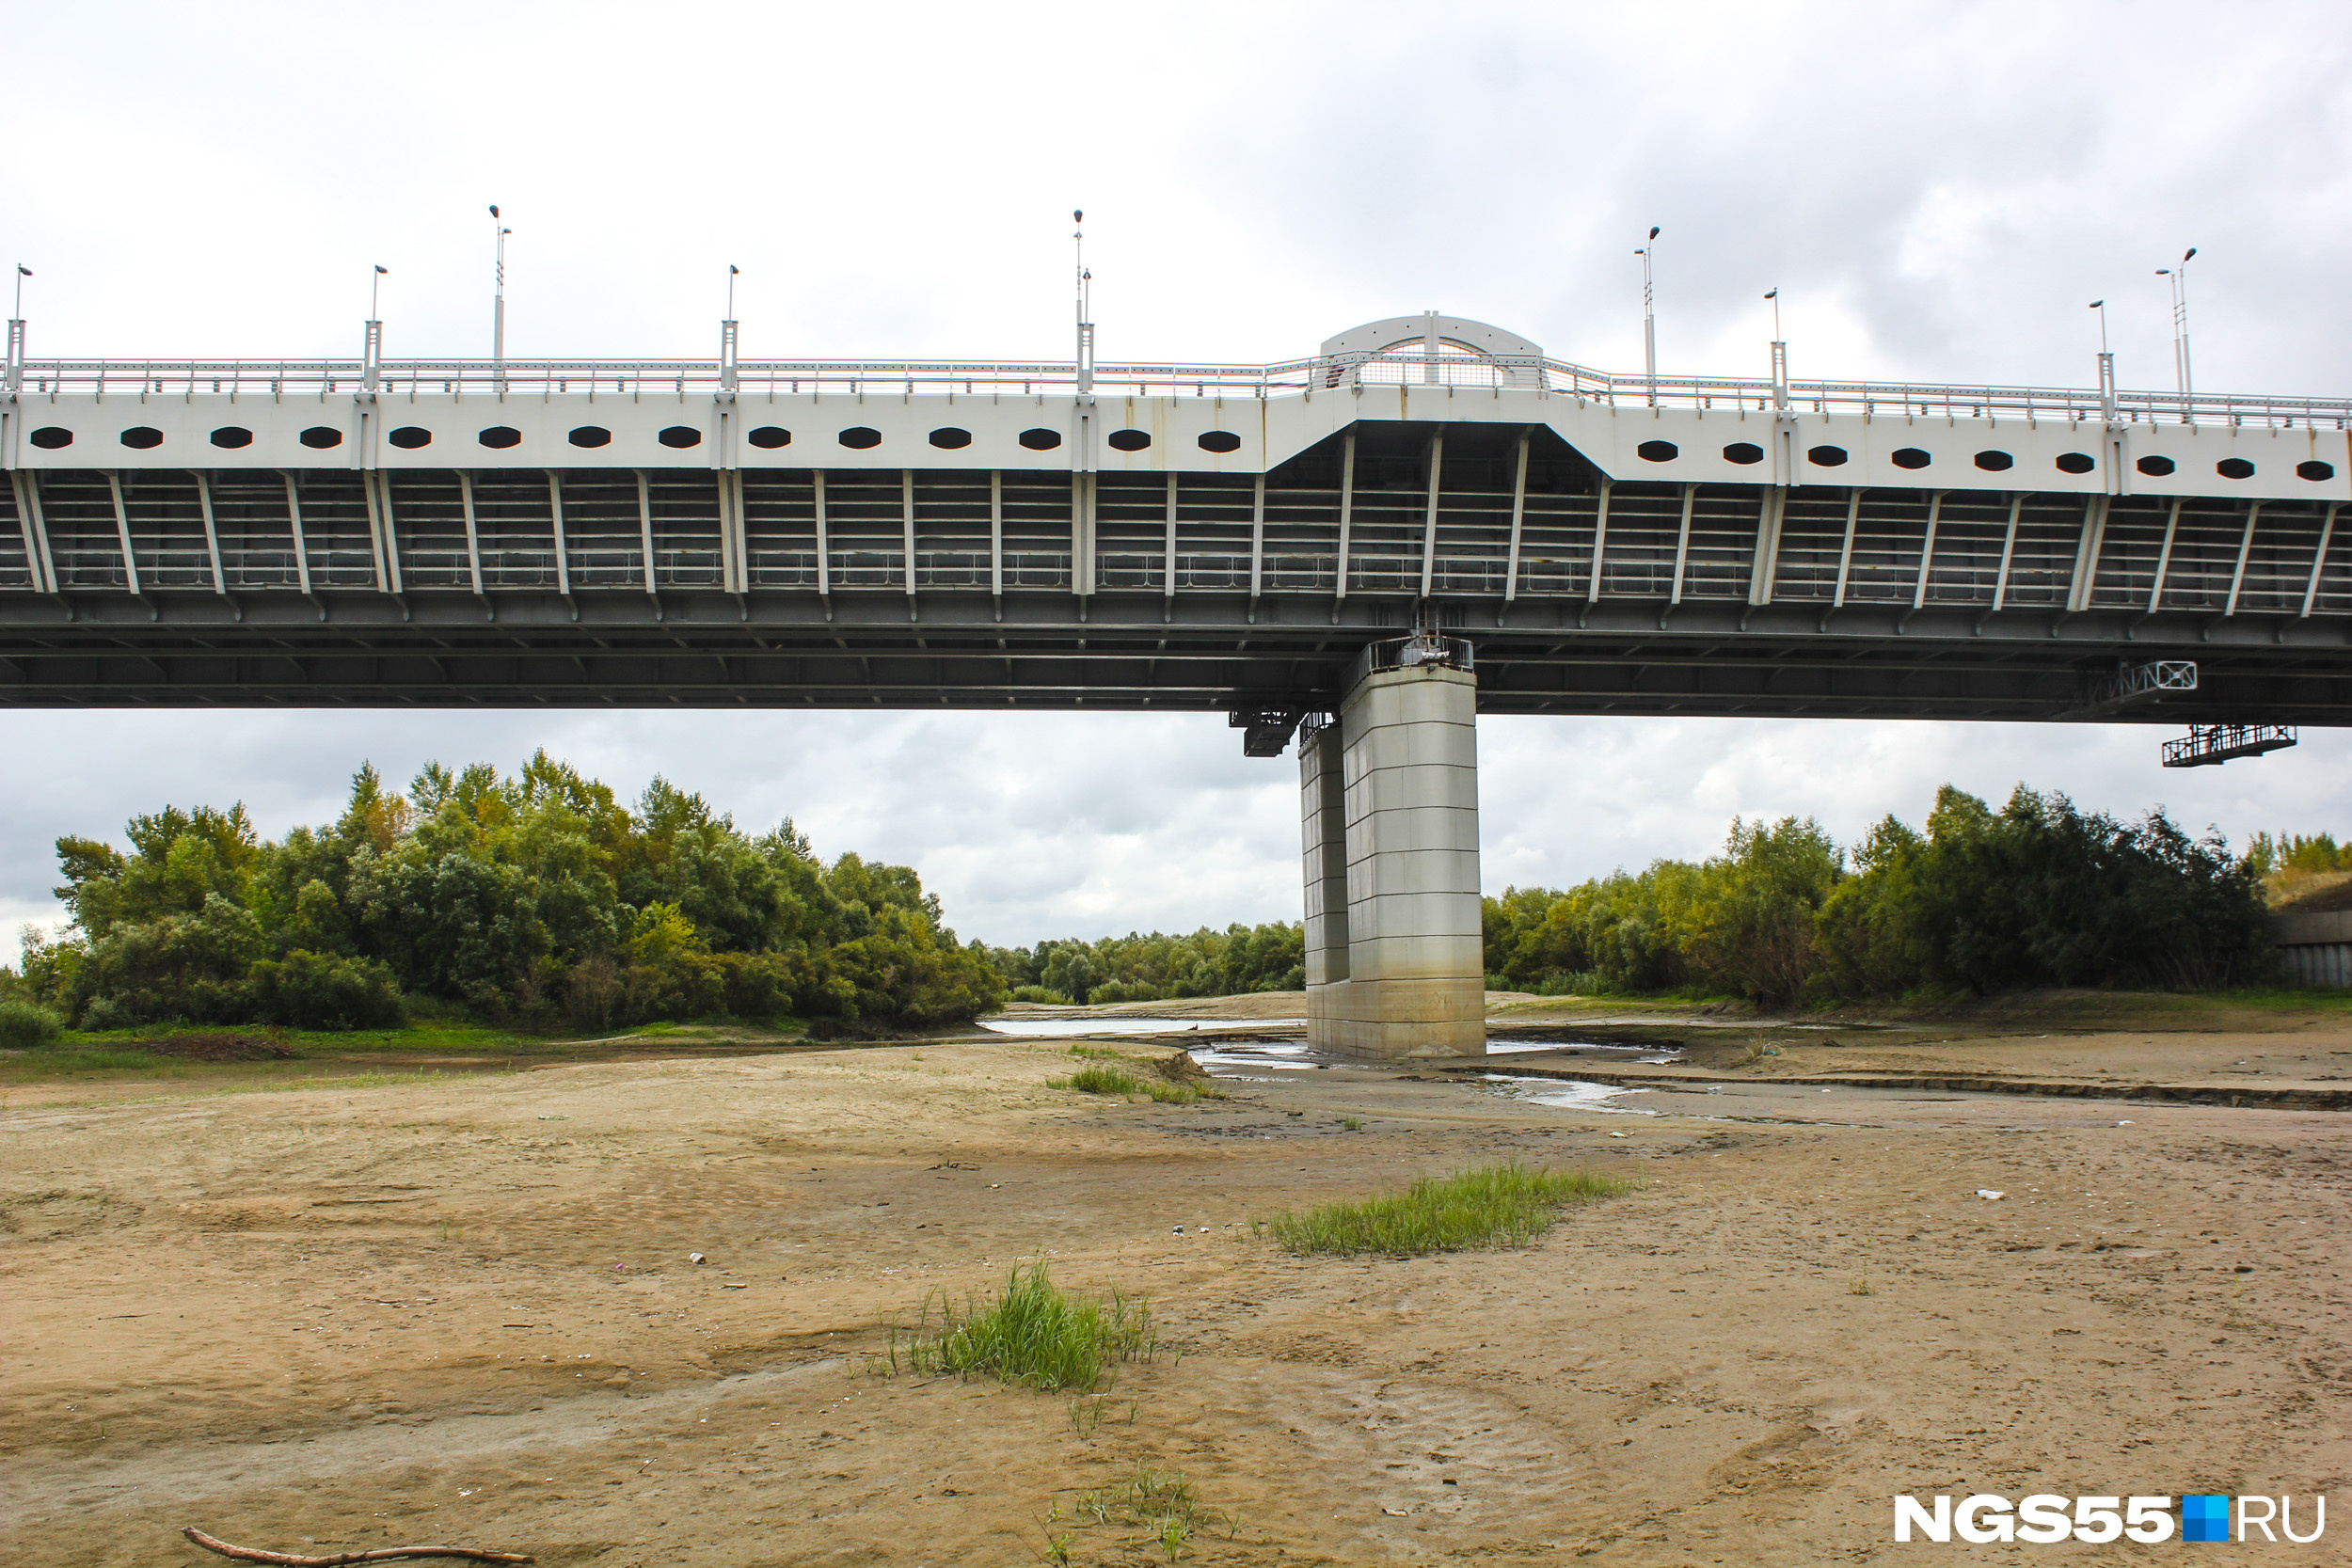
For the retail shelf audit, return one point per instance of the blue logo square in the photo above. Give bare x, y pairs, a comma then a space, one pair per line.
2205, 1518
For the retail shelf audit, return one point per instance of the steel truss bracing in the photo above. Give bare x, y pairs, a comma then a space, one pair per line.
1057, 587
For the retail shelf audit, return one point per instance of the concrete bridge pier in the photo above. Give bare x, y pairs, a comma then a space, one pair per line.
1389, 809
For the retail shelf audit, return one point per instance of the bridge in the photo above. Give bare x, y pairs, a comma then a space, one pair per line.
1429, 505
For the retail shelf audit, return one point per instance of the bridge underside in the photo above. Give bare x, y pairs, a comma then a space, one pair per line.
697, 651
1049, 589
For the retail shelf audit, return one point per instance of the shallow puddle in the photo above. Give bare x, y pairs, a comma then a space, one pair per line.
1056, 1028
1568, 1094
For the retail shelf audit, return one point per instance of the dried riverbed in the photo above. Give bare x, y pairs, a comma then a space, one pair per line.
336, 1319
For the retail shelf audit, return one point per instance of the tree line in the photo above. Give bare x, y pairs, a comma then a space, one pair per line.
2037, 893
1157, 966
530, 900
540, 900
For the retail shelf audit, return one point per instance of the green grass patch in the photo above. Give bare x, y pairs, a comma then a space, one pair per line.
1032, 1333
1103, 1079
72, 1060
1098, 1053
1499, 1206
1150, 1507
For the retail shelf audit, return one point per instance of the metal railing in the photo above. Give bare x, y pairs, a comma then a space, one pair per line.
2206, 745
1412, 653
755, 379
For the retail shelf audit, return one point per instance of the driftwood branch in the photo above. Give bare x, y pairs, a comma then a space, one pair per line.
290, 1560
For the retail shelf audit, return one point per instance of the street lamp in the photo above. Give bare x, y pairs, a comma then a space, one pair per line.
727, 335
1086, 297
16, 332
498, 303
2106, 364
1649, 317
1780, 354
2181, 373
372, 355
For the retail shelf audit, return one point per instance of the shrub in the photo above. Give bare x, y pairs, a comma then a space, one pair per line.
1506, 1205
27, 1026
1045, 994
316, 990
1032, 1333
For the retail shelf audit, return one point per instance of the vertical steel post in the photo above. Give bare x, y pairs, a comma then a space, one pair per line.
301, 544
474, 533
212, 532
555, 520
644, 528
122, 529
1682, 544
1926, 549
1845, 551
824, 541
1168, 567
26, 486
1257, 539
1600, 545
2008, 547
391, 528
905, 521
1429, 522
2319, 558
2093, 540
996, 534
2164, 557
1347, 512
1519, 515
2244, 550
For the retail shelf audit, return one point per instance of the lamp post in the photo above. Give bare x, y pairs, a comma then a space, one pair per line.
2106, 365
372, 355
2178, 278
727, 335
16, 333
498, 306
1649, 316
1780, 355
1085, 294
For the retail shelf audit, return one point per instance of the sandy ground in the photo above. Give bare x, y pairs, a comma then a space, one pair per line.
325, 1320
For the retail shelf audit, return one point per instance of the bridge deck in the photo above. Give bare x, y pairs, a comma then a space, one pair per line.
1165, 551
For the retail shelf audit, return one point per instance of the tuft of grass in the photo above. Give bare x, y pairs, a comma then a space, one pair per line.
1032, 1333
1165, 1504
1506, 1205
1099, 1052
1352, 1124
1100, 1078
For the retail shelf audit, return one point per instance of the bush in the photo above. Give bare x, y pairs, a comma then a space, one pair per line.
1039, 993
315, 991
1031, 1332
1125, 990
27, 1026
1506, 1205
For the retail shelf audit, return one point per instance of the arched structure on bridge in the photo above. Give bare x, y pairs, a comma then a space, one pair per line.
1435, 350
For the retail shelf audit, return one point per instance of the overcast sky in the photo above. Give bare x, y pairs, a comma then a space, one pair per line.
1936, 189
